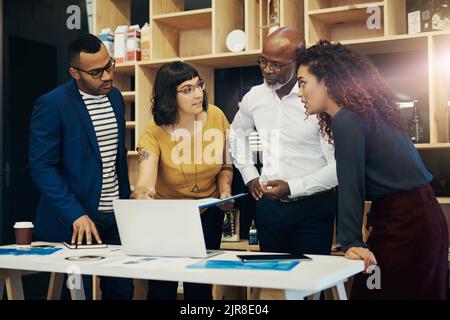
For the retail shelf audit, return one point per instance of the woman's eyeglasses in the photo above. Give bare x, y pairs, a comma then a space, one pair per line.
98, 73
190, 89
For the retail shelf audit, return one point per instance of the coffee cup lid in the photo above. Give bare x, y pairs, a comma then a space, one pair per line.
23, 224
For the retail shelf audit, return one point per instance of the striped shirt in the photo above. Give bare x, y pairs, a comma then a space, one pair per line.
106, 131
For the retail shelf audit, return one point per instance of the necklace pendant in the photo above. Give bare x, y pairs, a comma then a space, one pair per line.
195, 189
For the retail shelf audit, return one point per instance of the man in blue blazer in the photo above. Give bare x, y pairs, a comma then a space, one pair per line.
78, 156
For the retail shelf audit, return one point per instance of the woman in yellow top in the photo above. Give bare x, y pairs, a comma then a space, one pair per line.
182, 155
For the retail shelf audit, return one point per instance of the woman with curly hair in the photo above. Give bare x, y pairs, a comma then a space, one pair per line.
376, 161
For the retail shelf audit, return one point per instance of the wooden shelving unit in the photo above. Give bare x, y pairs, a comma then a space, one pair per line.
198, 37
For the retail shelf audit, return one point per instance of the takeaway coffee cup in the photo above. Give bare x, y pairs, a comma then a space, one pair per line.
24, 230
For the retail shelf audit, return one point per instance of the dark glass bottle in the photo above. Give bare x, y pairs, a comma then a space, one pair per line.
253, 234
416, 126
425, 15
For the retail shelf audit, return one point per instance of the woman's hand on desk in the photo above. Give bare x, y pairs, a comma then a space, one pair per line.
226, 206
143, 194
360, 253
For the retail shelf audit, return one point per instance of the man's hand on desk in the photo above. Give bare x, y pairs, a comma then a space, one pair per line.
276, 189
84, 225
359, 253
255, 189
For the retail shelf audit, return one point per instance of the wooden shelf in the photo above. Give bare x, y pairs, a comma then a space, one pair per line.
425, 146
221, 60
126, 68
158, 7
390, 44
227, 60
344, 14
195, 19
130, 124
324, 4
129, 96
444, 200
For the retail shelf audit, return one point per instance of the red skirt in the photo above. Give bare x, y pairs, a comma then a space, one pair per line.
410, 241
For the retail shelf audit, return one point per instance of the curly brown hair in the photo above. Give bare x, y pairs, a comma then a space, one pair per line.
352, 82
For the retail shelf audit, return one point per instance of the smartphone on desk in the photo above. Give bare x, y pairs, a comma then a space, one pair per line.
85, 246
271, 257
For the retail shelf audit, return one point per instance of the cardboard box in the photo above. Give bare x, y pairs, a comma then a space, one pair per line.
414, 22
107, 37
120, 44
441, 20
145, 42
134, 43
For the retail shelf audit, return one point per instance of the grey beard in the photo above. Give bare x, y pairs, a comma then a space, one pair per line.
274, 87
277, 86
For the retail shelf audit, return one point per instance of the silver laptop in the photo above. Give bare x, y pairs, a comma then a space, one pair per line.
163, 228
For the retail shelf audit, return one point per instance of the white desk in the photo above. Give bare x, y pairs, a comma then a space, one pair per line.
305, 279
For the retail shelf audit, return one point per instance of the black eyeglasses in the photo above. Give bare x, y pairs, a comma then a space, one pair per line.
275, 66
98, 73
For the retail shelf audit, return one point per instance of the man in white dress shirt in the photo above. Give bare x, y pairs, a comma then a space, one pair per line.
295, 191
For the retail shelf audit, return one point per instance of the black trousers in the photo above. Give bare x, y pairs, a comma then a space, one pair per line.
305, 226
212, 221
112, 288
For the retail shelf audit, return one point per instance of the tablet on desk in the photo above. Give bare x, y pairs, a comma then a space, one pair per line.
277, 256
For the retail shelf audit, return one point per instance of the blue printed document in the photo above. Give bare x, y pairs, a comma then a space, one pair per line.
211, 202
31, 251
278, 265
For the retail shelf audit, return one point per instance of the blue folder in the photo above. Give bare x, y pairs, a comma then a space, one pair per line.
215, 202
24, 252
278, 265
